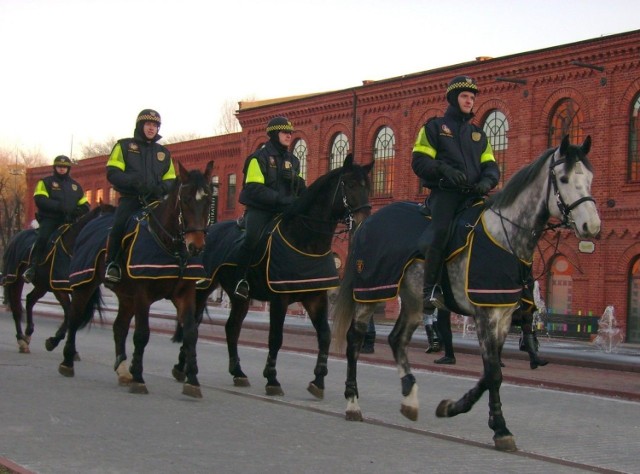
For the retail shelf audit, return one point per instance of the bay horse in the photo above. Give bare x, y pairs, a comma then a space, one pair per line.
556, 185
13, 283
309, 227
178, 225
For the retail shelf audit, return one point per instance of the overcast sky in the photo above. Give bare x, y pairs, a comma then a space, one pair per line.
81, 70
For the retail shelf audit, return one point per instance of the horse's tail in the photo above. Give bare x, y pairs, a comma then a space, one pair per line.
94, 304
344, 307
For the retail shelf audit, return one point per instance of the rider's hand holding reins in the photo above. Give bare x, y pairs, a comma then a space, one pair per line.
456, 177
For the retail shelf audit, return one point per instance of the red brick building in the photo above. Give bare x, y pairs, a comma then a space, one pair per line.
527, 102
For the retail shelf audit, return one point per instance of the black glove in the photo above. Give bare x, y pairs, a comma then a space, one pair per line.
156, 190
68, 217
483, 186
285, 201
287, 174
144, 189
454, 176
78, 212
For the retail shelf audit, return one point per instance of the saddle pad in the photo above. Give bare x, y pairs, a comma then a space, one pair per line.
146, 258
90, 244
16, 255
496, 277
289, 270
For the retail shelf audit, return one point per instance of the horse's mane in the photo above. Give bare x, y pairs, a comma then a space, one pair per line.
526, 175
313, 191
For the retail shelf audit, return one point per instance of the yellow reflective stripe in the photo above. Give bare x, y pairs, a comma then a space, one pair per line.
116, 158
423, 146
487, 154
83, 200
254, 173
41, 189
171, 172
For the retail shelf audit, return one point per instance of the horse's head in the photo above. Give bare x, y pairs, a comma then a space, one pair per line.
353, 188
194, 202
570, 176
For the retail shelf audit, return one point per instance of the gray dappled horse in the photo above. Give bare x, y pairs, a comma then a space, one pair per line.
556, 185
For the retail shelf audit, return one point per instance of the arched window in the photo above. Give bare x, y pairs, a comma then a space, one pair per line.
496, 127
231, 192
560, 286
384, 150
634, 133
339, 151
300, 151
566, 119
633, 313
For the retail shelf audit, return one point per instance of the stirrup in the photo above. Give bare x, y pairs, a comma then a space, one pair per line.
202, 284
29, 274
113, 273
433, 300
242, 289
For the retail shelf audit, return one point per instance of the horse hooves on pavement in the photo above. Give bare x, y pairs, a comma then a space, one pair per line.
274, 390
410, 413
315, 391
241, 382
353, 415
506, 443
443, 409
49, 344
179, 375
66, 371
23, 347
76, 357
191, 391
139, 388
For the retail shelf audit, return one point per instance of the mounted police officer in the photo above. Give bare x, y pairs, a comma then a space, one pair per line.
272, 181
142, 171
453, 158
59, 199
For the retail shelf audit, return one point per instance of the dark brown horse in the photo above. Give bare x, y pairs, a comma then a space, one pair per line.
308, 227
44, 280
178, 225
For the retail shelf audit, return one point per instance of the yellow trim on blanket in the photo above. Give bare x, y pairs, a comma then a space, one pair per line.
379, 300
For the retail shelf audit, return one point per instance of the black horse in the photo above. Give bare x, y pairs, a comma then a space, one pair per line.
556, 185
51, 275
308, 227
178, 226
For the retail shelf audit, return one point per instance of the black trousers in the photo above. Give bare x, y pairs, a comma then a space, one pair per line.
443, 205
127, 206
47, 226
255, 223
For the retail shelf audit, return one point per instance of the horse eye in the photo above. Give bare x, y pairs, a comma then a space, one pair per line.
564, 180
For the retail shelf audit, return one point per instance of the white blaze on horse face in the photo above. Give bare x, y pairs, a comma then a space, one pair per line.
201, 194
572, 187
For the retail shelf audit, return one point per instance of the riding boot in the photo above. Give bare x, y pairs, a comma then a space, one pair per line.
242, 287
529, 344
433, 339
431, 291
113, 273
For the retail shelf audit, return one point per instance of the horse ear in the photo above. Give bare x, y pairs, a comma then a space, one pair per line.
564, 145
348, 161
367, 168
208, 170
182, 173
586, 145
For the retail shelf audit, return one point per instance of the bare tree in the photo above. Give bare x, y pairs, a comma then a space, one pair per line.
228, 122
180, 137
93, 148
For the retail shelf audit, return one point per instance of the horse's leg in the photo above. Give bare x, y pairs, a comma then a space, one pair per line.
64, 299
178, 370
399, 339
120, 332
77, 311
277, 313
317, 308
140, 340
13, 291
30, 301
355, 338
239, 309
492, 327
185, 304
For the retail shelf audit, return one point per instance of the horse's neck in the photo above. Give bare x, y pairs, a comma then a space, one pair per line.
517, 226
163, 220
312, 231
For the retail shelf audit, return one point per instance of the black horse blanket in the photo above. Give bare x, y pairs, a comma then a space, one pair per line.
288, 269
495, 275
18, 256
144, 258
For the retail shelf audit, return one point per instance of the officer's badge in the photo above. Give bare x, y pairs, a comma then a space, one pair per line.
55, 185
359, 266
287, 165
161, 155
446, 130
74, 187
475, 136
272, 161
133, 146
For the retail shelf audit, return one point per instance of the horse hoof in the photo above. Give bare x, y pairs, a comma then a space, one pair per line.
410, 413
76, 357
505, 443
443, 409
315, 391
23, 347
49, 344
138, 388
191, 391
178, 375
353, 415
274, 390
66, 371
241, 382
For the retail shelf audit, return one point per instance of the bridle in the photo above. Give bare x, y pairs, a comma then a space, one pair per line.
347, 218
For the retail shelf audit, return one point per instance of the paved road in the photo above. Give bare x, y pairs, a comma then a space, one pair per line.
53, 424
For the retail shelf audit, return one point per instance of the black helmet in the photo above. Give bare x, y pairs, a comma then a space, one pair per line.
148, 115
279, 124
459, 84
62, 160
